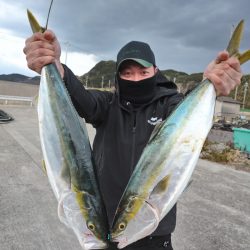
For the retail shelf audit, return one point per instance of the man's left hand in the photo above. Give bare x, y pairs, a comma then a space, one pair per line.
224, 72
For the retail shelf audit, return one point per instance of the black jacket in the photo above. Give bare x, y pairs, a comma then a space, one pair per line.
121, 134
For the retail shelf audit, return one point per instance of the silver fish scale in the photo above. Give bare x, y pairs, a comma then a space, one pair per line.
173, 151
67, 155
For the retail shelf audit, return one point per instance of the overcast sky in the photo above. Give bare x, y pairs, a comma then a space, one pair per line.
185, 35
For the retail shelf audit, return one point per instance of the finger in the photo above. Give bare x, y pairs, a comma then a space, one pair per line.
222, 56
40, 55
218, 84
39, 52
35, 45
223, 88
40, 45
226, 82
233, 77
49, 35
37, 63
235, 64
35, 37
221, 81
232, 69
32, 40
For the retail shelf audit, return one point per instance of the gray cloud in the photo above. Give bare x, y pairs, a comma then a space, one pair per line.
185, 35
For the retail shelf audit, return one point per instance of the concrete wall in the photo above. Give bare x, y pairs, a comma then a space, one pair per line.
18, 89
227, 110
15, 93
230, 108
218, 108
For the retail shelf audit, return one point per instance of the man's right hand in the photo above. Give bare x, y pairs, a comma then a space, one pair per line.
42, 49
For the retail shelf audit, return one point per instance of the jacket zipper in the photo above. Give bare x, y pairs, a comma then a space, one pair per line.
133, 143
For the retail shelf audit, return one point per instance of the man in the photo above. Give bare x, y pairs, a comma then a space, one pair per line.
125, 119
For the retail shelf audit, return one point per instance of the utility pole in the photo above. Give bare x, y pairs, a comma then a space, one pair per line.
245, 93
102, 81
87, 78
236, 92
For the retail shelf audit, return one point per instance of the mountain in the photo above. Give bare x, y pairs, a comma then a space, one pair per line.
173, 75
181, 77
101, 75
20, 78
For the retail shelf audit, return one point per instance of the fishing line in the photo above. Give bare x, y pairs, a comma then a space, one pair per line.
48, 14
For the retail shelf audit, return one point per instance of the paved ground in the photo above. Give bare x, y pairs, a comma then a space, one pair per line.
213, 214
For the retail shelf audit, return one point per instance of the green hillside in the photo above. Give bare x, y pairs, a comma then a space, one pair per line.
102, 75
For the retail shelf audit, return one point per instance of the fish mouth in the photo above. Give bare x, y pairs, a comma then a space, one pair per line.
122, 241
91, 245
91, 242
116, 237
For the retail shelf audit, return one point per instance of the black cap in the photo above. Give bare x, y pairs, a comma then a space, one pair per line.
136, 51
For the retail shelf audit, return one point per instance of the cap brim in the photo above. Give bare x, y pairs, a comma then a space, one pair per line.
142, 62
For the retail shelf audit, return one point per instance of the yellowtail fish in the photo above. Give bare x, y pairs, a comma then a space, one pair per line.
68, 159
168, 161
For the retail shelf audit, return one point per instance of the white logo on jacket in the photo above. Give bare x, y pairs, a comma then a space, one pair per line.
154, 120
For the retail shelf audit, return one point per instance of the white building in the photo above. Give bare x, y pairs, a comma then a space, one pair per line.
227, 108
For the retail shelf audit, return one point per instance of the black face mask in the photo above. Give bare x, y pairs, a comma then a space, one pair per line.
137, 92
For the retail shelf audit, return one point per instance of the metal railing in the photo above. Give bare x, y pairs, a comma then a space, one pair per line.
6, 99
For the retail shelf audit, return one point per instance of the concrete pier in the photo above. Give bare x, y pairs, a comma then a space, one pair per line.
213, 214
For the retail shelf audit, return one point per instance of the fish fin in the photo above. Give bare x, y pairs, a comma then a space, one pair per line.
35, 26
161, 186
234, 43
244, 57
44, 167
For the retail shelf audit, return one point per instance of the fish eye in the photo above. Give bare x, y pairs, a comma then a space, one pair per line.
122, 226
91, 226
